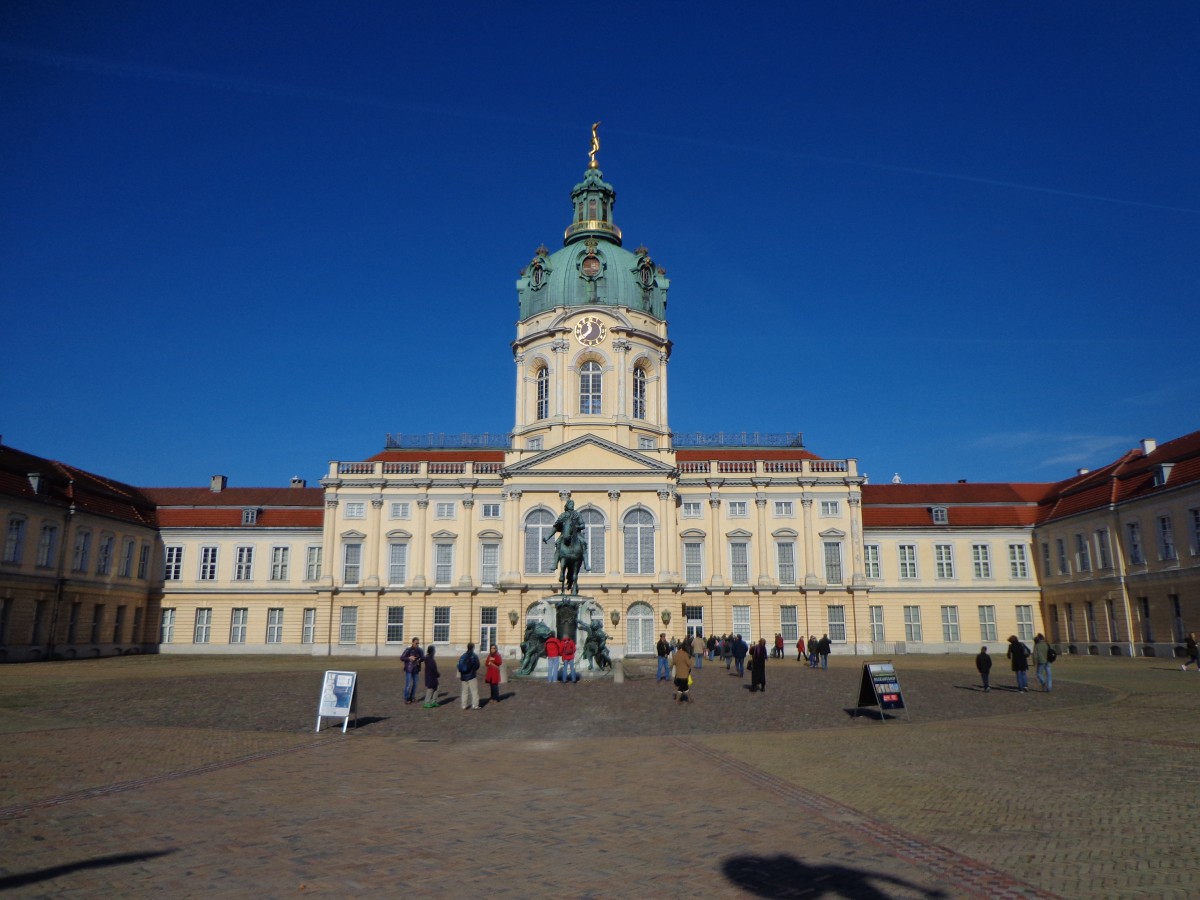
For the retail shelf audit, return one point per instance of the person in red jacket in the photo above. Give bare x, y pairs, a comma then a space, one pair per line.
553, 657
568, 659
494, 663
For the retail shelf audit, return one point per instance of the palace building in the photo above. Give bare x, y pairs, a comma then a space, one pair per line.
449, 540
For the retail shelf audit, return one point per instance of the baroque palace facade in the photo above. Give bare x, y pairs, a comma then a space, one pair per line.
447, 540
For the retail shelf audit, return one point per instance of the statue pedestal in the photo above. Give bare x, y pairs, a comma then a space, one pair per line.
566, 615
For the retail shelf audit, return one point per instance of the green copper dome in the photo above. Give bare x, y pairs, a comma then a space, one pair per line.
592, 268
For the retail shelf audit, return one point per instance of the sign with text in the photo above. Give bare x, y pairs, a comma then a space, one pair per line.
339, 697
880, 686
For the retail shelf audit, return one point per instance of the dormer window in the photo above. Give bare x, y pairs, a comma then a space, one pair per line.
1163, 474
940, 515
249, 516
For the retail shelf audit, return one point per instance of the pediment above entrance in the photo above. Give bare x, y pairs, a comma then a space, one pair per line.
589, 455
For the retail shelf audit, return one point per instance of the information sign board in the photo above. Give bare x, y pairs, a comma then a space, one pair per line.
339, 697
880, 686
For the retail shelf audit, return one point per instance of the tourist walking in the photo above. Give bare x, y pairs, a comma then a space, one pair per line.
1193, 652
663, 649
468, 668
491, 676
727, 650
824, 648
800, 648
1019, 654
812, 651
740, 649
758, 666
983, 663
697, 642
1041, 659
568, 658
553, 657
411, 658
431, 680
682, 661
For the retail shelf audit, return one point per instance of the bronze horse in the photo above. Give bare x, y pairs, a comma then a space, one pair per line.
570, 556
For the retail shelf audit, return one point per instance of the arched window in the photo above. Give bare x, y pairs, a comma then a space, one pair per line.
639, 393
589, 389
593, 527
543, 393
539, 556
639, 542
639, 627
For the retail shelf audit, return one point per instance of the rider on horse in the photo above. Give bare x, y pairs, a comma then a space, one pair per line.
576, 527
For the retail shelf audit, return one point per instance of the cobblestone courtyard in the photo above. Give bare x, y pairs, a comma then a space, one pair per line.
202, 776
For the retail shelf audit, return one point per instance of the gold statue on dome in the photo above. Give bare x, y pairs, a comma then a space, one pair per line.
595, 147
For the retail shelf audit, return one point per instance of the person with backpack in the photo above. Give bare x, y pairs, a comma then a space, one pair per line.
1043, 656
1019, 654
468, 667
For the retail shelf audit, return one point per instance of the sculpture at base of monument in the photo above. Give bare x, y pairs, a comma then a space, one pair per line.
533, 647
595, 648
570, 548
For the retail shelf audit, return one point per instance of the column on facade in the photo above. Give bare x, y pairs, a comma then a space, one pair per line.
614, 544
761, 537
331, 539
372, 551
522, 389
421, 548
667, 569
806, 503
622, 347
662, 391
514, 537
560, 347
468, 541
716, 575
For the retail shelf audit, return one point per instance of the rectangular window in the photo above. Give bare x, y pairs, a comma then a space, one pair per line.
105, 555
444, 510
143, 561
308, 632
940, 515
1143, 605
137, 624
128, 547
1136, 556
172, 563
488, 630
1018, 563
644, 442
490, 510
871, 564
693, 562
395, 625
83, 549
46, 544
1025, 622
1045, 558
203, 628
73, 623
249, 516
348, 625
279, 563
1083, 553
397, 563
912, 624
443, 555
1103, 553
1114, 631
6, 606
1166, 538
14, 541
784, 508
1089, 620
943, 555
692, 509
876, 616
97, 623
789, 624
831, 508
533, 444
1194, 519
243, 565
1060, 547
741, 623
737, 509
275, 625
987, 623
785, 557
237, 625
118, 624
908, 560
356, 510
739, 562
833, 562
950, 624
836, 616
166, 633
208, 563
352, 564
441, 624
981, 560
489, 564
312, 563
400, 509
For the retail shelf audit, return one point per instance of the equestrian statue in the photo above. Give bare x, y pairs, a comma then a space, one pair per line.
570, 548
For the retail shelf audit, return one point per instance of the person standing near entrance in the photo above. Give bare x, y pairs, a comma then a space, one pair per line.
740, 649
468, 669
663, 649
553, 657
1041, 659
682, 661
824, 648
494, 663
411, 658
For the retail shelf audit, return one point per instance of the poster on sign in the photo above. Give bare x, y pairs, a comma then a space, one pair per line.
880, 687
339, 698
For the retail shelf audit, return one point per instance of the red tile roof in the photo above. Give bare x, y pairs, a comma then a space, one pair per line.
282, 507
62, 485
967, 505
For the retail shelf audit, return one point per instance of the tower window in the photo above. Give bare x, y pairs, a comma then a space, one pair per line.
639, 393
543, 393
589, 389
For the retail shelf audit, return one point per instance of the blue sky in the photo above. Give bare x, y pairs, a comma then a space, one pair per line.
949, 240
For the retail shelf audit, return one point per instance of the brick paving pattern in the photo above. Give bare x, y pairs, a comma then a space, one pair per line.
202, 776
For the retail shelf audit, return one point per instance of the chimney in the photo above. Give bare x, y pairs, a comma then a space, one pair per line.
298, 482
218, 483
1149, 445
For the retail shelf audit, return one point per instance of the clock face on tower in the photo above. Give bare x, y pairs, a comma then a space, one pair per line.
590, 331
